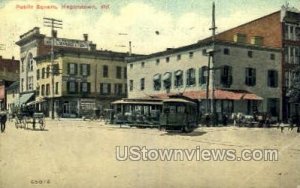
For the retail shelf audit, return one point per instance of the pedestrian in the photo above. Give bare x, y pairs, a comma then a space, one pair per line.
281, 125
3, 119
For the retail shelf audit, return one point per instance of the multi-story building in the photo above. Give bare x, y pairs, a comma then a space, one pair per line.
280, 29
9, 73
246, 77
33, 44
277, 34
83, 81
12, 96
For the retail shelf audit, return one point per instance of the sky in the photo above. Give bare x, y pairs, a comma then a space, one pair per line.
178, 22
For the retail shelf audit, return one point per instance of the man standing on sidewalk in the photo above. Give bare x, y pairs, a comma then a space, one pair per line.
3, 119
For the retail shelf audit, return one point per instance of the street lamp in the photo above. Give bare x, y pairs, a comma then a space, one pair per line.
53, 23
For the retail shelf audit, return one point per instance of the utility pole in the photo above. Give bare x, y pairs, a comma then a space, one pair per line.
53, 23
213, 28
130, 49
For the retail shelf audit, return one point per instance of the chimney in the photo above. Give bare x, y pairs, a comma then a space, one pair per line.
54, 33
85, 37
13, 58
0, 56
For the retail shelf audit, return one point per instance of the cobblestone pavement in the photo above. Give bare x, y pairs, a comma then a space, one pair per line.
70, 153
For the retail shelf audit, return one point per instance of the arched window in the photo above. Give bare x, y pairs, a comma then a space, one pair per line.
157, 82
178, 78
167, 80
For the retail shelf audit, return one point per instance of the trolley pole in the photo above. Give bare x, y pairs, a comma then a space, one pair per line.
53, 23
213, 28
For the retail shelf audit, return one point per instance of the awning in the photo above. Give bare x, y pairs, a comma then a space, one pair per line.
156, 77
35, 102
167, 76
23, 99
178, 72
218, 94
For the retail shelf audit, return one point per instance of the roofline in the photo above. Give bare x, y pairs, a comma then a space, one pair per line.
278, 11
96, 53
202, 43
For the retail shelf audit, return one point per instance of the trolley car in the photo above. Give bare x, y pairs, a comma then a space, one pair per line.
179, 114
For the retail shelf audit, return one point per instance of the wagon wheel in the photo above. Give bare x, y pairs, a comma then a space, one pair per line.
42, 123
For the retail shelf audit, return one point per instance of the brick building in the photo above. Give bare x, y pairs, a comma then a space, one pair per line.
9, 73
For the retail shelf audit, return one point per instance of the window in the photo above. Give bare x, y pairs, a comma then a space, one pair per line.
226, 76
84, 69
273, 106
38, 74
191, 54
37, 91
190, 77
43, 72
178, 78
142, 84
125, 72
257, 40
203, 75
22, 84
118, 89
272, 56
143, 64
204, 52
85, 87
119, 72
178, 57
43, 90
226, 51
167, 80
72, 87
72, 68
157, 61
30, 83
250, 79
131, 65
250, 54
47, 71
105, 71
239, 38
125, 87
130, 85
31, 64
167, 59
105, 88
272, 78
22, 67
56, 88
157, 82
47, 89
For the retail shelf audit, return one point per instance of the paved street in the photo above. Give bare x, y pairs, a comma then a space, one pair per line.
83, 154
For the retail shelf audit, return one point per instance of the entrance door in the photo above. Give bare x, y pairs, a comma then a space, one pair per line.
66, 108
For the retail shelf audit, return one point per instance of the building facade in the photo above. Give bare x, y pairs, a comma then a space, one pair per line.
246, 78
9, 73
83, 81
280, 29
33, 44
